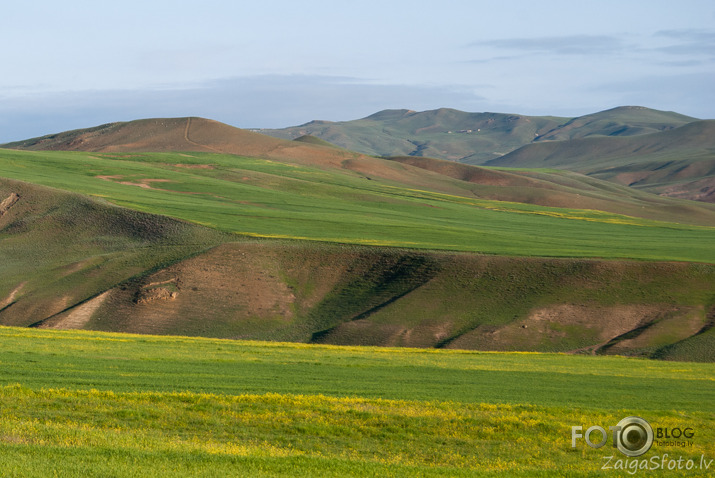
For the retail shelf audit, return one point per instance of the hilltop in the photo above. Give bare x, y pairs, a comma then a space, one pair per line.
181, 134
474, 138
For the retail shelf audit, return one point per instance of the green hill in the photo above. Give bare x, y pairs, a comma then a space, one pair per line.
70, 261
474, 138
443, 133
610, 144
310, 243
544, 188
59, 249
678, 162
268, 198
621, 121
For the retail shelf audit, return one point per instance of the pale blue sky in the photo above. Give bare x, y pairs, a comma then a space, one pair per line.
265, 63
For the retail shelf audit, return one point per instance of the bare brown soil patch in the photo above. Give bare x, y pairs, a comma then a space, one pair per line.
218, 290
8, 202
700, 190
142, 183
78, 316
676, 325
194, 166
162, 290
11, 297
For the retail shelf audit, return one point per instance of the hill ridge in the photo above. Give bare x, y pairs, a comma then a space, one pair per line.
447, 133
678, 162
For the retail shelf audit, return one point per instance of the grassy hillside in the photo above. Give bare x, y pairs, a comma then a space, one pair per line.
69, 261
270, 199
444, 133
475, 137
660, 164
60, 248
629, 145
74, 261
387, 297
122, 405
561, 188
677, 162
621, 121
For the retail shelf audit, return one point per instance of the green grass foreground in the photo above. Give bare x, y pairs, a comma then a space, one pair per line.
257, 197
75, 403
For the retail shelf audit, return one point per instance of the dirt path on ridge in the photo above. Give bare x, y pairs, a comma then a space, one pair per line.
186, 137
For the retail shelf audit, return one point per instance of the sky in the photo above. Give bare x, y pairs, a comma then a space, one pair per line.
274, 64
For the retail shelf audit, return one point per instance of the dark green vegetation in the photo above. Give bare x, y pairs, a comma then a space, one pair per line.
123, 405
633, 146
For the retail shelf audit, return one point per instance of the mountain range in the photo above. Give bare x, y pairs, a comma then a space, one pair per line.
630, 145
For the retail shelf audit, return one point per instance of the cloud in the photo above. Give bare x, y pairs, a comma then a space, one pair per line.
270, 101
689, 42
559, 45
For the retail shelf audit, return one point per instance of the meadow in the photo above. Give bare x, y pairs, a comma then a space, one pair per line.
76, 403
263, 198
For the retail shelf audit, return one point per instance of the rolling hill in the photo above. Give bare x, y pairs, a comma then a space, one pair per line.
474, 138
163, 226
73, 262
677, 163
620, 121
630, 145
545, 188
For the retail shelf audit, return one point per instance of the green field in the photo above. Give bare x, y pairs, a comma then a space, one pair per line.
95, 404
265, 198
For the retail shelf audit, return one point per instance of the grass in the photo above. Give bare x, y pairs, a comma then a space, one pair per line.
269, 199
61, 251
103, 404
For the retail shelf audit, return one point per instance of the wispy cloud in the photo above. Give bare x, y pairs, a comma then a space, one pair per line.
559, 45
688, 42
